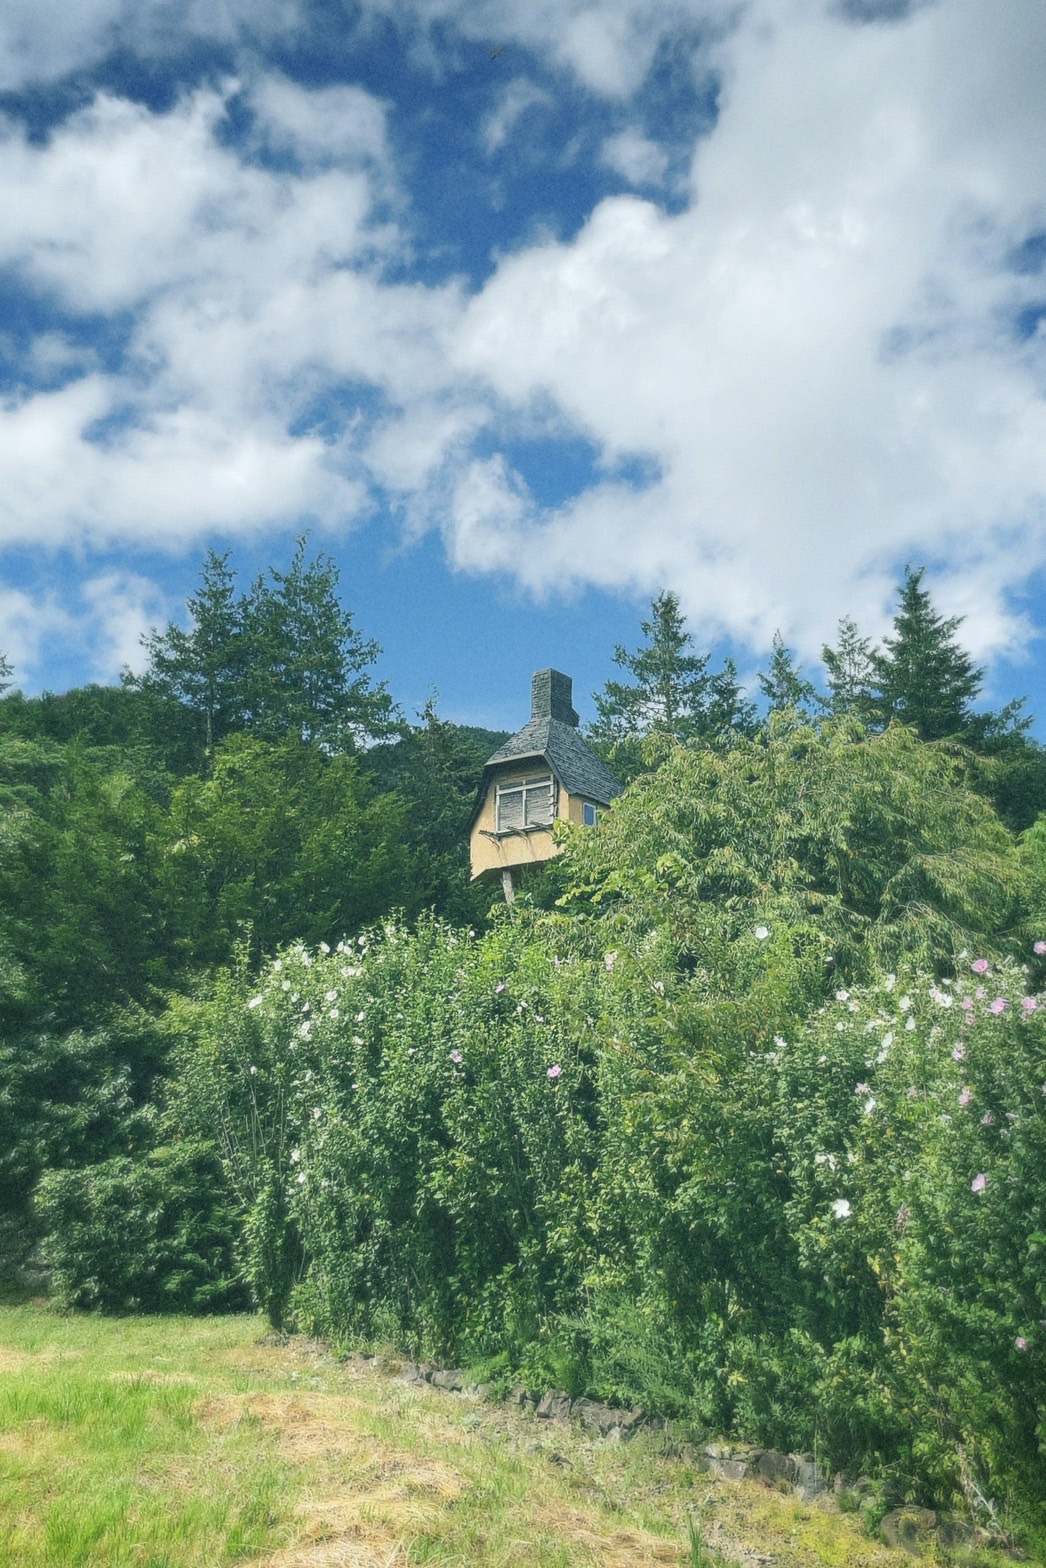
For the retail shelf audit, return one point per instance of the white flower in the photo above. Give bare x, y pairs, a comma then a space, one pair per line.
317, 1112
841, 1208
360, 1017
842, 996
324, 948
285, 985
887, 1040
301, 1177
334, 1014
909, 1023
761, 933
253, 1071
826, 1159
255, 1001
295, 1156
331, 996
891, 981
870, 1104
277, 964
779, 1042
904, 1003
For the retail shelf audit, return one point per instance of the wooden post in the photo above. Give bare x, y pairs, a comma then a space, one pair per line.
506, 885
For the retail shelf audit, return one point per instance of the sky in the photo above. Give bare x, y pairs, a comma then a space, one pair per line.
524, 311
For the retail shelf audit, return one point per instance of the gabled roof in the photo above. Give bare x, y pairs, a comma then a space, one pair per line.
571, 759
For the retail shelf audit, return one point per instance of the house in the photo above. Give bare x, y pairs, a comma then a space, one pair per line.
544, 773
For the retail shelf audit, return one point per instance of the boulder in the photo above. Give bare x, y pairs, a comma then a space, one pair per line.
909, 1528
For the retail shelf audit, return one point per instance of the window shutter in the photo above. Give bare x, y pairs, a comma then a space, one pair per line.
539, 806
510, 811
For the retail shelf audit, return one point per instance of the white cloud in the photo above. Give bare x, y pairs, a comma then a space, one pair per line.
636, 158
121, 607
327, 125
518, 96
819, 353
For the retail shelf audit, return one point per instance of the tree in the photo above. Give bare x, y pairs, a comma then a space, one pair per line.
307, 662
673, 693
850, 672
282, 660
204, 668
783, 686
921, 676
5, 671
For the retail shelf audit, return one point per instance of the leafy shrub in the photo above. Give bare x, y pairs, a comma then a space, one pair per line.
153, 1234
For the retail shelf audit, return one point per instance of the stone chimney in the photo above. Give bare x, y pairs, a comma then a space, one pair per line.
551, 694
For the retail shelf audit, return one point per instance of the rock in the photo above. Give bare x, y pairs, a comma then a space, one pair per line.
452, 1381
519, 1396
595, 1417
554, 1406
774, 1468
412, 1372
909, 1528
810, 1479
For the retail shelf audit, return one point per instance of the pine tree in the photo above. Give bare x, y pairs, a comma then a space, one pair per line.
671, 683
204, 668
308, 665
921, 676
783, 686
850, 672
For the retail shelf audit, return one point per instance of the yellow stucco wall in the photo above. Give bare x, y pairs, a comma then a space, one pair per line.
530, 848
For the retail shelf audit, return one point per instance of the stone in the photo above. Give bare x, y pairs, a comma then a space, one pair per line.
909, 1528
774, 1468
554, 1406
810, 1479
451, 1380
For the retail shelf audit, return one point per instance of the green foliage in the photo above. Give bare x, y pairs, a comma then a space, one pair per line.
850, 673
784, 688
921, 676
672, 693
281, 839
865, 846
282, 661
142, 1234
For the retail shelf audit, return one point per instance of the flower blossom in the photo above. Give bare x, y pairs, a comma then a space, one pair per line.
255, 1001
841, 1209
958, 1053
554, 1071
1039, 947
965, 1097
979, 1183
1029, 1003
980, 966
609, 959
987, 1120
455, 1057
761, 933
999, 1005
499, 988
1020, 1343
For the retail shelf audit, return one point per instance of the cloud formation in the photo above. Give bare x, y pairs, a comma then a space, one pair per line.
829, 359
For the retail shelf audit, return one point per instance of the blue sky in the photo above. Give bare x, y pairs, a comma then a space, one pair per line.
524, 310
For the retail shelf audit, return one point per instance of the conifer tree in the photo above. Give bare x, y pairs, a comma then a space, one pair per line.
921, 676
671, 682
850, 672
783, 686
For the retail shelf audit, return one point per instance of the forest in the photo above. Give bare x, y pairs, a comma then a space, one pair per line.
739, 1112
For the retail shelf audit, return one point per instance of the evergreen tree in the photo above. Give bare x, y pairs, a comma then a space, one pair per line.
921, 676
204, 668
850, 672
783, 686
5, 671
670, 687
307, 664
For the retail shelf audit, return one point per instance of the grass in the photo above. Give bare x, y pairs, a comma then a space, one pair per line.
196, 1443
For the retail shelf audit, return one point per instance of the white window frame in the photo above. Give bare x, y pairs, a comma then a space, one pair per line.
589, 813
545, 784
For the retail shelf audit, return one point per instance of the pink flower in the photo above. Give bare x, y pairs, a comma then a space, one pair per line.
913, 1093
455, 1057
862, 1088
608, 961
1039, 947
555, 1070
1029, 1004
965, 1097
999, 1005
499, 988
980, 966
1020, 1343
958, 1053
987, 1120
979, 1183
967, 1003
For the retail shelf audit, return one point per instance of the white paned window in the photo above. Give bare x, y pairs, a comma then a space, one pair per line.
527, 804
589, 814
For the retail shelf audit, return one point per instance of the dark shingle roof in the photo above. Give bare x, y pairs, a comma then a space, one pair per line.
572, 760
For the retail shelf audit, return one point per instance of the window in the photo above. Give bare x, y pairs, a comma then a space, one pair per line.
527, 804
589, 814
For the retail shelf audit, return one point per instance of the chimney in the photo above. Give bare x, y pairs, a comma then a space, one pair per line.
550, 697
